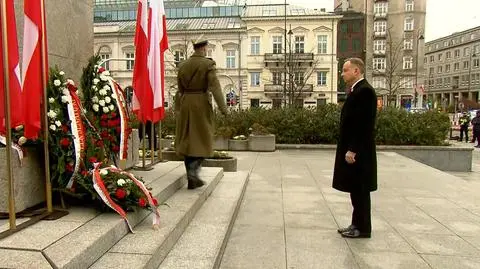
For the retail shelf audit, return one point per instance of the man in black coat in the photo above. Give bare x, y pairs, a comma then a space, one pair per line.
356, 159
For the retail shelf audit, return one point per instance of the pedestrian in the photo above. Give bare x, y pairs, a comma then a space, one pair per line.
194, 127
464, 123
355, 169
476, 128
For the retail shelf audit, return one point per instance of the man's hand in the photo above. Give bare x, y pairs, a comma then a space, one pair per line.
350, 157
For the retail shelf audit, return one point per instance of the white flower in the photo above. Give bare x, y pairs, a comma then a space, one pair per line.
51, 100
61, 73
111, 107
19, 128
128, 180
95, 81
106, 73
95, 99
65, 91
102, 92
94, 88
51, 114
101, 102
95, 66
105, 109
103, 77
58, 123
65, 99
106, 88
57, 82
107, 100
95, 107
103, 172
53, 127
71, 82
121, 182
22, 140
114, 96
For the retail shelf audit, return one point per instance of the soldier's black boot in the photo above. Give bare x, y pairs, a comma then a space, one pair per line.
192, 167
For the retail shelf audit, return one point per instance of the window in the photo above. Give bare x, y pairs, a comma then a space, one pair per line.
476, 49
448, 55
276, 103
356, 46
409, 5
298, 78
430, 70
456, 53
105, 56
407, 62
439, 56
255, 79
299, 44
447, 68
277, 44
466, 51
254, 102
343, 45
476, 63
255, 45
445, 43
209, 53
208, 25
322, 78
230, 59
179, 56
379, 82
432, 58
380, 8
439, 69
344, 28
466, 64
379, 63
380, 27
268, 11
277, 78
322, 44
408, 44
407, 82
408, 24
379, 45
130, 63
456, 66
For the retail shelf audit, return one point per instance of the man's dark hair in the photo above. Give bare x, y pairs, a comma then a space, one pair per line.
358, 62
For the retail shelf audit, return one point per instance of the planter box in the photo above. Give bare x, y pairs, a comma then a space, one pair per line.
132, 150
166, 143
29, 179
445, 158
261, 142
237, 145
220, 143
171, 155
228, 165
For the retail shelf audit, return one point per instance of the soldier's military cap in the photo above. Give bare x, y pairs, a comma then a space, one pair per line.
199, 43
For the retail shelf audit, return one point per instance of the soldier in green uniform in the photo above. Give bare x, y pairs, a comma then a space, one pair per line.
194, 130
464, 123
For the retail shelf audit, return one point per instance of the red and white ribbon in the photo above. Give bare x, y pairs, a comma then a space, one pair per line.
16, 147
74, 108
102, 191
120, 100
156, 218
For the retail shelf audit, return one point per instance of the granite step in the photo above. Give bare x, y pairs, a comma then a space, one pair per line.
146, 247
82, 237
203, 243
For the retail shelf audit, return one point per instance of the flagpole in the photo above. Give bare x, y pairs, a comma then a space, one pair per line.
48, 185
8, 146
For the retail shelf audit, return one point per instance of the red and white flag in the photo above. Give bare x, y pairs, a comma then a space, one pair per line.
14, 87
158, 44
140, 83
32, 84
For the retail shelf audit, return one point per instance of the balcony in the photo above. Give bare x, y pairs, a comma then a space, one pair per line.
380, 16
275, 91
379, 34
296, 57
379, 52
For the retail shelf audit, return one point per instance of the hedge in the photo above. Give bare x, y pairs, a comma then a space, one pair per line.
395, 126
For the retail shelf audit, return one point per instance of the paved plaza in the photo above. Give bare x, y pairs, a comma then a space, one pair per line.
422, 217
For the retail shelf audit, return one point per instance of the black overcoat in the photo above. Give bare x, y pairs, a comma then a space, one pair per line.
357, 124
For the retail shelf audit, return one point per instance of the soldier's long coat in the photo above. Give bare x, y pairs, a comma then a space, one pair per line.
195, 120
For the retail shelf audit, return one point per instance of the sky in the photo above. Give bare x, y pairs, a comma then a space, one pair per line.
444, 17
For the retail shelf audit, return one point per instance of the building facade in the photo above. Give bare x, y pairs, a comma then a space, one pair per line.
394, 41
452, 65
260, 62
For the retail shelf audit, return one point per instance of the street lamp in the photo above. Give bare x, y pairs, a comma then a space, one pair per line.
416, 71
290, 71
472, 55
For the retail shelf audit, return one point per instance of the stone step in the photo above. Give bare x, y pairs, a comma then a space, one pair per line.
203, 243
146, 247
82, 237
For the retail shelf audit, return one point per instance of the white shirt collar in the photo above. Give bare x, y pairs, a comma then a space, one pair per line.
356, 84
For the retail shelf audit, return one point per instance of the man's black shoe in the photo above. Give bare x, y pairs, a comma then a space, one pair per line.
355, 233
196, 183
343, 230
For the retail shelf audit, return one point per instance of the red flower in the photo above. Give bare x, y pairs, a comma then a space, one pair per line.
65, 142
101, 69
116, 148
104, 134
142, 202
64, 128
84, 173
104, 117
121, 193
99, 143
104, 123
155, 201
118, 129
113, 115
92, 160
69, 167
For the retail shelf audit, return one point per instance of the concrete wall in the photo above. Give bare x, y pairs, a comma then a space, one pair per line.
69, 31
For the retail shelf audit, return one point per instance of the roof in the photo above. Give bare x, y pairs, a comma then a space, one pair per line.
188, 24
279, 11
